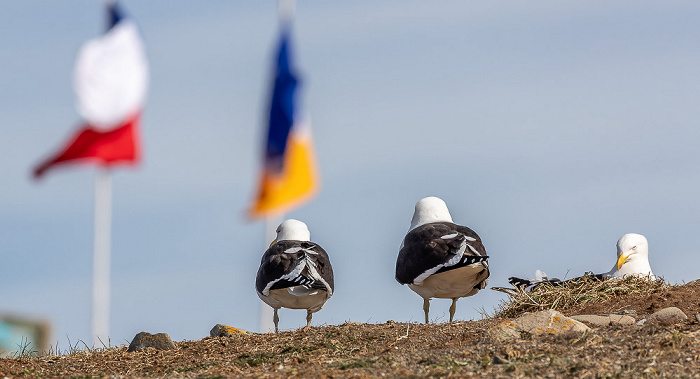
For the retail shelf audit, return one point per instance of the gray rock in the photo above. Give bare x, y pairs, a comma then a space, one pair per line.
500, 361
160, 341
549, 321
221, 330
668, 315
604, 320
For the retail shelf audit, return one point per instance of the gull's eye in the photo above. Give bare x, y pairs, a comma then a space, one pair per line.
634, 247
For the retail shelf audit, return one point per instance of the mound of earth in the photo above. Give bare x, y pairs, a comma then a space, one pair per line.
686, 297
404, 350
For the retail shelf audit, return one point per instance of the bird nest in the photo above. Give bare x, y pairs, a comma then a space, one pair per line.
575, 294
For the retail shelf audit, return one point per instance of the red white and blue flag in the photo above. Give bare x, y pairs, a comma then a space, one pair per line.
289, 175
110, 82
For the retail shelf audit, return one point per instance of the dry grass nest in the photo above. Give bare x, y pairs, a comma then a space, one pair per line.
575, 293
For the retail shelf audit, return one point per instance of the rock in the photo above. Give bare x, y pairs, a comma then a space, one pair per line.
549, 321
668, 315
503, 330
221, 330
605, 320
697, 317
160, 341
626, 312
499, 361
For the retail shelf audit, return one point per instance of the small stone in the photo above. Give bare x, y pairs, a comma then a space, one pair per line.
221, 330
160, 341
697, 317
668, 315
500, 361
604, 320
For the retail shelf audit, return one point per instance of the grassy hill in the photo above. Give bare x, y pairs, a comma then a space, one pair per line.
404, 350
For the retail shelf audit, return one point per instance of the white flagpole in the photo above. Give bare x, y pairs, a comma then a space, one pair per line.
101, 259
286, 9
266, 312
285, 12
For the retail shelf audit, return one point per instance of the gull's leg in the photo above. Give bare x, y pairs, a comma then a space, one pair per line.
276, 320
308, 318
426, 308
453, 308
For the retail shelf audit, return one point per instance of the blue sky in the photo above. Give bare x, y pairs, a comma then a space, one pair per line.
550, 128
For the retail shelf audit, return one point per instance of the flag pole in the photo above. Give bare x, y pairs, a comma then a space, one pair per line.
266, 312
285, 12
101, 258
286, 9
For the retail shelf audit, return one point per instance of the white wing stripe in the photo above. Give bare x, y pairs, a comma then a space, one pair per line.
473, 249
295, 274
453, 261
291, 276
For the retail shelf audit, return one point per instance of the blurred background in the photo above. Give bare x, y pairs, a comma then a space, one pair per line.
550, 128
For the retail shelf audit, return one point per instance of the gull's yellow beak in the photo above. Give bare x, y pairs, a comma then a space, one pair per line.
621, 260
273, 242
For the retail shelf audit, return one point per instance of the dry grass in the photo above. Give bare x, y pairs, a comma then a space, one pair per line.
457, 349
576, 293
391, 349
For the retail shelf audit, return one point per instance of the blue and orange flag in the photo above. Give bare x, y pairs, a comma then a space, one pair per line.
289, 175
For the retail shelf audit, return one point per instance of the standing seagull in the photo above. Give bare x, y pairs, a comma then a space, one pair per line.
439, 258
632, 260
294, 273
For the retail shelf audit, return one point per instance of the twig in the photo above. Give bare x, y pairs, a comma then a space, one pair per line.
404, 336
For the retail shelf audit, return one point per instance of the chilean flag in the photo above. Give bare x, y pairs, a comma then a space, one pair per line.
110, 82
289, 176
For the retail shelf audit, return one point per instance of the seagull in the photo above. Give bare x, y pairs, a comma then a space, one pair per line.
294, 272
632, 260
440, 259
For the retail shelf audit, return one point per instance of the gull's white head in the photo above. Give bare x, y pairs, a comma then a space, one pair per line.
292, 229
430, 209
632, 256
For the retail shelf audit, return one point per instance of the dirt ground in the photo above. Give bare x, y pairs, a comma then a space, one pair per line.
392, 349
